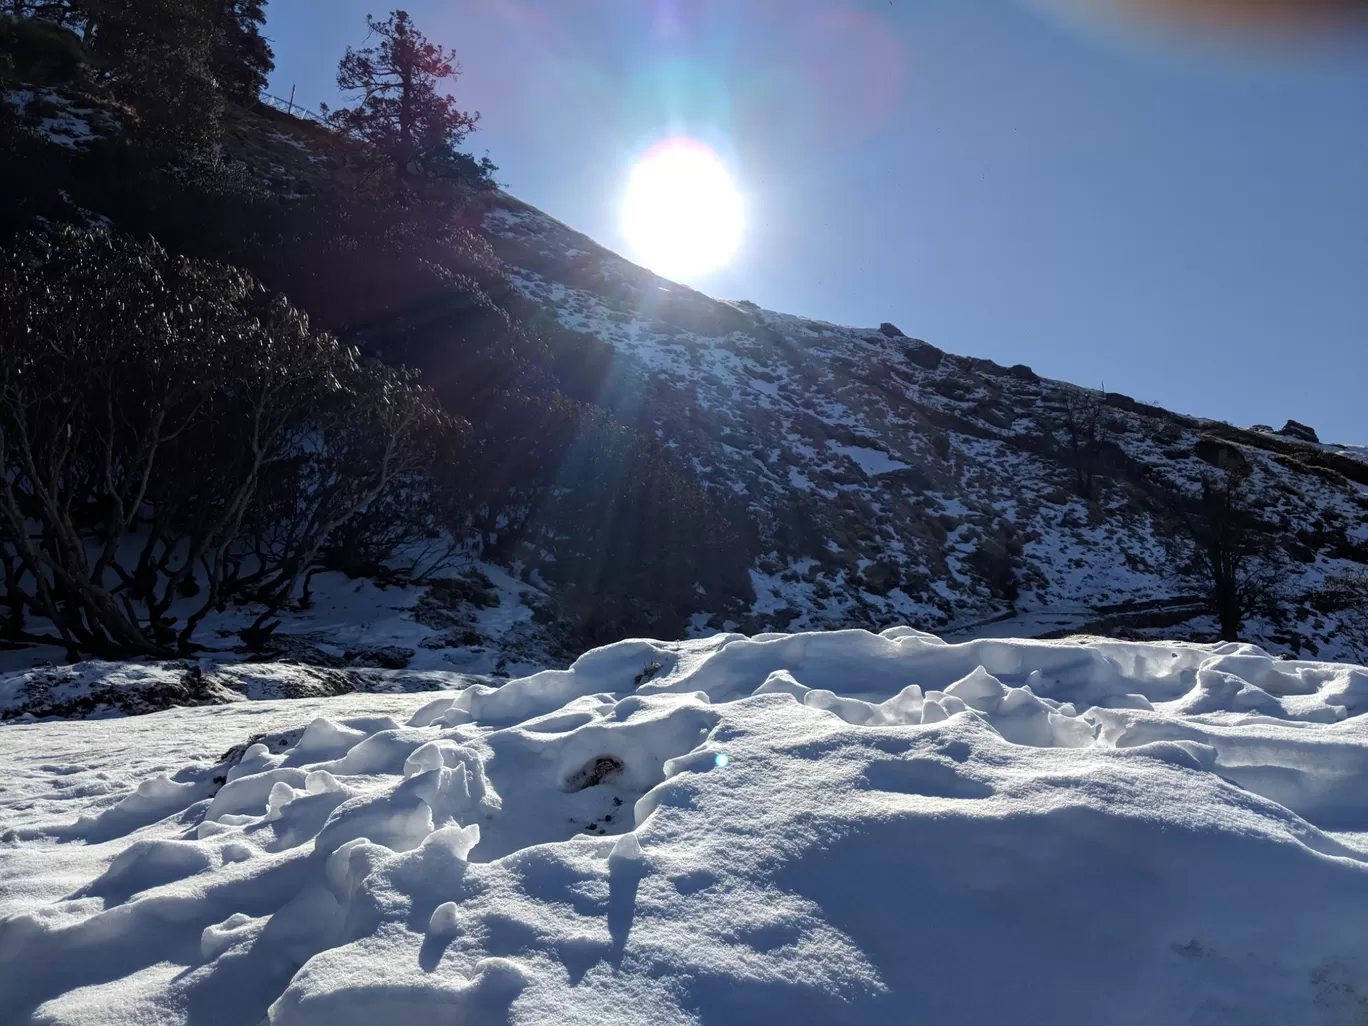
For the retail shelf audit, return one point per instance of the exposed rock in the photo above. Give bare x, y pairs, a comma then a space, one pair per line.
1299, 431
387, 657
891, 330
1119, 401
1220, 453
881, 578
924, 355
84, 690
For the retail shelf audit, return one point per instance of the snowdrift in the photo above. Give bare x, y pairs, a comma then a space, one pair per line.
813, 828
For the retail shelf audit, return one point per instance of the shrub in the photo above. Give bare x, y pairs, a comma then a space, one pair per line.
173, 439
41, 51
1347, 594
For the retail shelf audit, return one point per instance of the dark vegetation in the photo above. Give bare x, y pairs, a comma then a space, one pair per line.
1347, 594
1225, 552
178, 434
403, 123
202, 393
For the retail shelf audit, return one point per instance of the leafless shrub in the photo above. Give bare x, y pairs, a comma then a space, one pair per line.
172, 439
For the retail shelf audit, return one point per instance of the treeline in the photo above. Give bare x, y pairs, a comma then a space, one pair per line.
179, 437
174, 63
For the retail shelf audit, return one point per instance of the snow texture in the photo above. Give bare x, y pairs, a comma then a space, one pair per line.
812, 828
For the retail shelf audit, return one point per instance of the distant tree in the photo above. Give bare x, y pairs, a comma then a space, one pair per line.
1084, 437
171, 61
241, 58
159, 56
402, 119
1347, 594
1223, 549
997, 560
238, 55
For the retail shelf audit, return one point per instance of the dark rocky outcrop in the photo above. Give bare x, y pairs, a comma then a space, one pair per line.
924, 355
1299, 431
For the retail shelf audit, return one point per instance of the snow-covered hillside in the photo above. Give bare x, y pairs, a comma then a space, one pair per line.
869, 478
890, 482
811, 828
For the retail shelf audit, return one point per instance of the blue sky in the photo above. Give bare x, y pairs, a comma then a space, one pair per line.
1184, 225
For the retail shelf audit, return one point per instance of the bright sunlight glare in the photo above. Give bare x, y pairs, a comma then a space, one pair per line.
682, 215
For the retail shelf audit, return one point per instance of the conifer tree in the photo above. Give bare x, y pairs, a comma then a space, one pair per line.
401, 117
242, 56
159, 55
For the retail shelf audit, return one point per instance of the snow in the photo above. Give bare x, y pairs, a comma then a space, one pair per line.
351, 622
871, 461
67, 126
839, 827
1358, 452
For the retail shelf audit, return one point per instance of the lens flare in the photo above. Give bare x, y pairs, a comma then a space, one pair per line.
682, 214
1189, 22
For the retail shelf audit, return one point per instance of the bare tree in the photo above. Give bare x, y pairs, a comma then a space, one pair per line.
1084, 438
171, 439
1227, 552
1347, 595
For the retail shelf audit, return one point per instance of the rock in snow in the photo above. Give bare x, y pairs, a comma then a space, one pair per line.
810, 828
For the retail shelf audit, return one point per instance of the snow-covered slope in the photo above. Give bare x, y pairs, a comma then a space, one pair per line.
890, 482
873, 478
817, 828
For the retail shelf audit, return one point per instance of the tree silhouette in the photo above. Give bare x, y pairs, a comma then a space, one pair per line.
401, 118
1084, 434
1227, 552
242, 58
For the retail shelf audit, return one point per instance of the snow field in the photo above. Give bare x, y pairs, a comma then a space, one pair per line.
817, 828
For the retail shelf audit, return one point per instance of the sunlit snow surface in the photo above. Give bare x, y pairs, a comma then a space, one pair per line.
818, 828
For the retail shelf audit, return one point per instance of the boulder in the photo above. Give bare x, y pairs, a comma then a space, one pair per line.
924, 355
1119, 401
891, 330
881, 578
1220, 453
1299, 431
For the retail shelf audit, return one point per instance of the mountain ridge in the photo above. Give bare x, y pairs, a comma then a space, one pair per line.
897, 419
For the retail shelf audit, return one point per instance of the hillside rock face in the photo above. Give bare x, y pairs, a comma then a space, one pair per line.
888, 482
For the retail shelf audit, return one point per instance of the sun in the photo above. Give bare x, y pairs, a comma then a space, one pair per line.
682, 214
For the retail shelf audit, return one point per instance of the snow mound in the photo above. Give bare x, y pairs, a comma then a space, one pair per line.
814, 828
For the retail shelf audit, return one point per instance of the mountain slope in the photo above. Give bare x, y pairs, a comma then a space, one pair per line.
890, 482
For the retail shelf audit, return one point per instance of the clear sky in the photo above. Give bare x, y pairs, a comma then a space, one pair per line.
1184, 225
